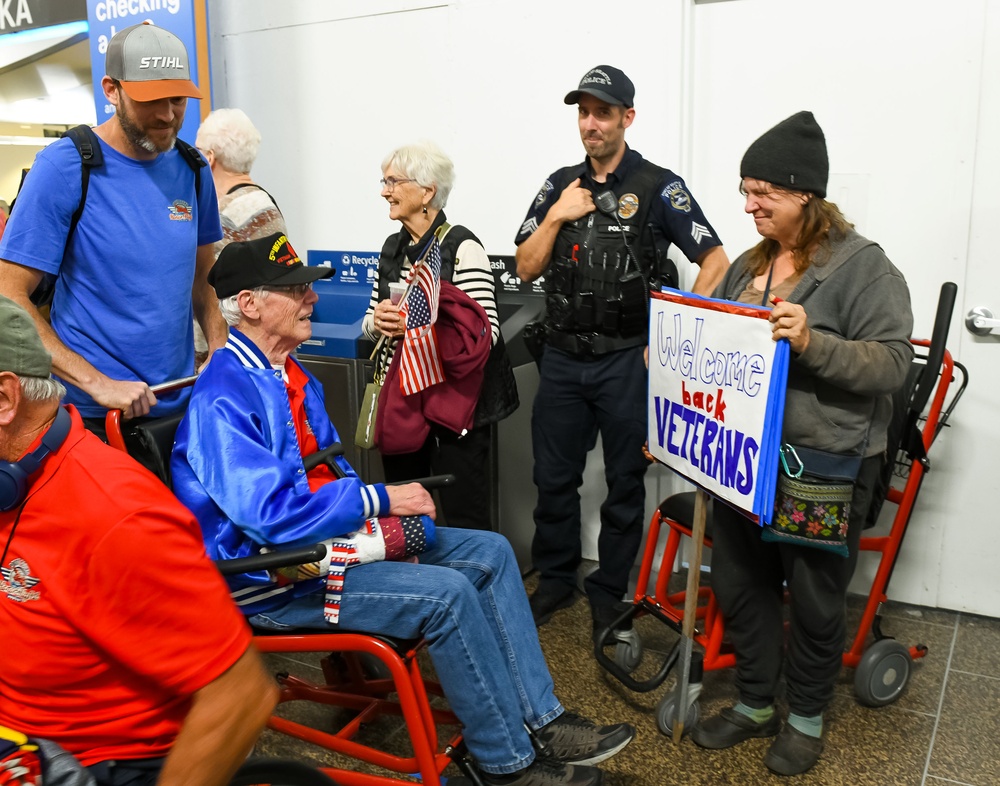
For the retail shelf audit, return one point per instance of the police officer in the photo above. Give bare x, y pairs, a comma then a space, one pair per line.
598, 231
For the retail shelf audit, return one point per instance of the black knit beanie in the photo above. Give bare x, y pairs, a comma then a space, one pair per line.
791, 155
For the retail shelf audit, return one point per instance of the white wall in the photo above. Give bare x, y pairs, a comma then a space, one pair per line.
905, 90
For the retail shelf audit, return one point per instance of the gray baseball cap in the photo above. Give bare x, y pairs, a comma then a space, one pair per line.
151, 63
21, 349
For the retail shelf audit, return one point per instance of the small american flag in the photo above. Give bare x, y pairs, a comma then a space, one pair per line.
420, 364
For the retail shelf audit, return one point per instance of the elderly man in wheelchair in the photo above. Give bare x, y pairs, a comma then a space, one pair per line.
237, 464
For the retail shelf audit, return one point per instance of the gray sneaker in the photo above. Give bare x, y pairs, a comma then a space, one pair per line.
572, 739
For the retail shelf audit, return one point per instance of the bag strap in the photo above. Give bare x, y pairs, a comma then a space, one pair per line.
442, 231
238, 186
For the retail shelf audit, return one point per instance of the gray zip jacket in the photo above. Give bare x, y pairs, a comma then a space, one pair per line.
858, 310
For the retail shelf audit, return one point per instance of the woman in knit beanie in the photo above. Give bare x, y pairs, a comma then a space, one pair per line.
845, 311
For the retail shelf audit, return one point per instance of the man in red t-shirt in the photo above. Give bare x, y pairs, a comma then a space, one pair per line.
121, 643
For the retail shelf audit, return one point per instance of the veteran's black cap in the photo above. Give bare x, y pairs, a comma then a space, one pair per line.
266, 262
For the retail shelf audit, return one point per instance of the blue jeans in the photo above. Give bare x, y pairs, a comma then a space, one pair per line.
577, 397
466, 598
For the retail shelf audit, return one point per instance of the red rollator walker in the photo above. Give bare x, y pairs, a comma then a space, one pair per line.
882, 665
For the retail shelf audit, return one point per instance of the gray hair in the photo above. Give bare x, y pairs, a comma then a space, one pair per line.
232, 137
42, 388
426, 163
230, 308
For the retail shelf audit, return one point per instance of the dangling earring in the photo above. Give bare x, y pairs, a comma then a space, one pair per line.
425, 210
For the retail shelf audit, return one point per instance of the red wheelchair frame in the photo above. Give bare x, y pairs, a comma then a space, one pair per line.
882, 668
346, 683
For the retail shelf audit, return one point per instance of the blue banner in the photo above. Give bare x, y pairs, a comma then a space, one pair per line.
107, 17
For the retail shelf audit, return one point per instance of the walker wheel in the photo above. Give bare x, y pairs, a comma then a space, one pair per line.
666, 711
628, 650
882, 673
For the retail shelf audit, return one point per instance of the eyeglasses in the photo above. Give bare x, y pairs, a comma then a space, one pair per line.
392, 182
293, 290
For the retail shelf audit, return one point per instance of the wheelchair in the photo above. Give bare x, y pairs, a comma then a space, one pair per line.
882, 666
361, 672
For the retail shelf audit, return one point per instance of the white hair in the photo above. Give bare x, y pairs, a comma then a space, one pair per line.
230, 308
426, 163
232, 137
42, 388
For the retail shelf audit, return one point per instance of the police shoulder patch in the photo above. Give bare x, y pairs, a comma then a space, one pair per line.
543, 193
675, 195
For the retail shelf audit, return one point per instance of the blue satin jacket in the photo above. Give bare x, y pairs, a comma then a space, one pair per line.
236, 465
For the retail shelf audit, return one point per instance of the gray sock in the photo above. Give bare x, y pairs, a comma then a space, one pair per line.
762, 715
811, 726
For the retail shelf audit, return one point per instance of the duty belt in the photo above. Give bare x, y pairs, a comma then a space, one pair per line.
591, 344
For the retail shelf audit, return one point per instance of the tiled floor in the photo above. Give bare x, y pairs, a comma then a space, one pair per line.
944, 730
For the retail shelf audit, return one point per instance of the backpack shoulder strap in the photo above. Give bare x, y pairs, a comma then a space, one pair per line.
89, 148
194, 160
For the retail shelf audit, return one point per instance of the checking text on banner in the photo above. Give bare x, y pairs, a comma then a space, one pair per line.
717, 396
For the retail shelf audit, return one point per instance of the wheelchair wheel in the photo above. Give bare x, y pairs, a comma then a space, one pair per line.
882, 673
666, 710
628, 650
373, 666
279, 772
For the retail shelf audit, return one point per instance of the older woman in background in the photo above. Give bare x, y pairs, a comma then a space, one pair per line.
230, 141
845, 310
416, 182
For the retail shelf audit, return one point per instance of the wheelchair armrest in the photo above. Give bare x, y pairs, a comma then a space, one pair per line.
272, 559
313, 460
433, 482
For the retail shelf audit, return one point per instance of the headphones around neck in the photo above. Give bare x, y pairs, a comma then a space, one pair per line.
14, 476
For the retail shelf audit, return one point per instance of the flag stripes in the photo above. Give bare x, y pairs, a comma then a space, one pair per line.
420, 363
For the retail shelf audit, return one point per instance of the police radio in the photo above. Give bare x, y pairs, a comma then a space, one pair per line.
633, 298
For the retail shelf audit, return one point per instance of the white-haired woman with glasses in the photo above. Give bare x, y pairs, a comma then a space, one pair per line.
416, 182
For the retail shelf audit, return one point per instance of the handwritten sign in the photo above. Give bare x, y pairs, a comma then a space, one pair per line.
716, 397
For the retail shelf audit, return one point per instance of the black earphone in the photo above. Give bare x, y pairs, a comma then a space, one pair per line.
14, 476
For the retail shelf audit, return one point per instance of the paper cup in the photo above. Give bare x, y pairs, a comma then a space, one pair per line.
396, 290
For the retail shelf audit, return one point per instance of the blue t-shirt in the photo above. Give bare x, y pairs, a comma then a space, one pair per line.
123, 290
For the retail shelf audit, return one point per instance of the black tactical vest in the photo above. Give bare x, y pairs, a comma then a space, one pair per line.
602, 265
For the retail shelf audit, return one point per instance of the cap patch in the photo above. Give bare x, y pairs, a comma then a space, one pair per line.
286, 258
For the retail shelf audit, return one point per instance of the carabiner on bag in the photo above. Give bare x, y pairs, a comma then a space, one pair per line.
789, 449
